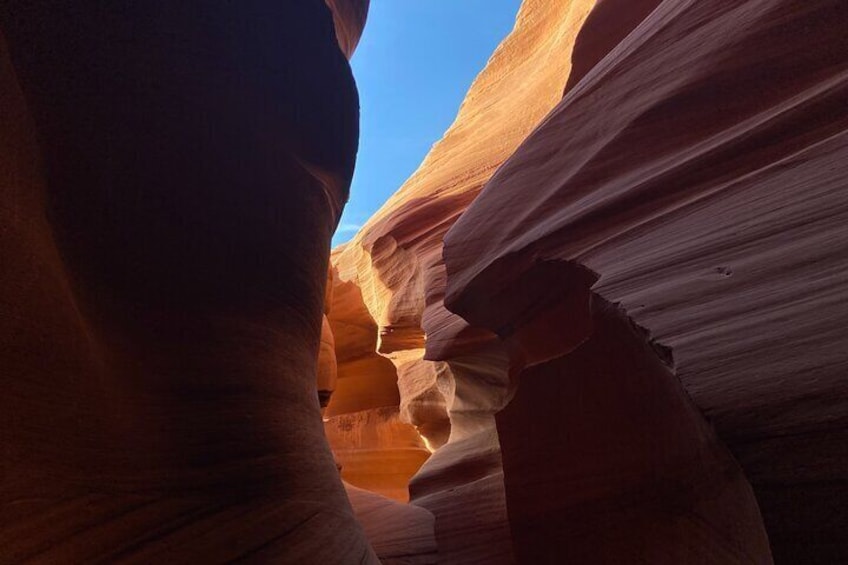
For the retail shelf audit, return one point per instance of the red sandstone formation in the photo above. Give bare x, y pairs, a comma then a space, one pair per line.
170, 178
373, 449
643, 354
694, 177
394, 264
327, 368
366, 379
658, 251
401, 534
376, 451
349, 19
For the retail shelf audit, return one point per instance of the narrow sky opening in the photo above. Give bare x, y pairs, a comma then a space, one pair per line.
413, 66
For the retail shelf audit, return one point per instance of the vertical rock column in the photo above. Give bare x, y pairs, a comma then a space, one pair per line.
171, 177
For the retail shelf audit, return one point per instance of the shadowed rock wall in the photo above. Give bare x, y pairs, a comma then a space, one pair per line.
698, 171
642, 361
171, 175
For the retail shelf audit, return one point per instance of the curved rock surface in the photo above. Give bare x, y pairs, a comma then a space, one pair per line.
401, 534
367, 380
349, 17
643, 360
695, 176
395, 263
170, 178
373, 448
376, 451
327, 370
656, 252
396, 258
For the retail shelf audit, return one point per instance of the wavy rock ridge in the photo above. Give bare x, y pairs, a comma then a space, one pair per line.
602, 323
394, 267
646, 362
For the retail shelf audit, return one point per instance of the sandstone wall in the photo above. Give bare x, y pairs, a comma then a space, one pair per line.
641, 358
170, 176
395, 264
696, 174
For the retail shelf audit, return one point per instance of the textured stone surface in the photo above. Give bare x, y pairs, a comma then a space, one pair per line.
401, 534
170, 176
395, 263
373, 447
396, 258
606, 459
698, 171
367, 379
687, 183
376, 451
327, 366
349, 17
644, 356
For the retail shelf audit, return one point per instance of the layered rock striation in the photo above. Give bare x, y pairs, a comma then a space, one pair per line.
170, 177
693, 177
394, 264
640, 357
601, 323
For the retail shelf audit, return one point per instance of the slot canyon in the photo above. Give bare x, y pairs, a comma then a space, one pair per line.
604, 322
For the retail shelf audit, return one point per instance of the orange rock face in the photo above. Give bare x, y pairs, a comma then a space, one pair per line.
395, 264
603, 322
327, 365
696, 173
367, 379
641, 361
376, 451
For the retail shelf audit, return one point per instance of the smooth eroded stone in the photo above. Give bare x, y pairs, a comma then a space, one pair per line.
698, 170
170, 176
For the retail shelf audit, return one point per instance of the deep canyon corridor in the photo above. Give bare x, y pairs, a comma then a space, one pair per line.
604, 322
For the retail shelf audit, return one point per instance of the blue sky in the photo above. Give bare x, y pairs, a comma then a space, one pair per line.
413, 66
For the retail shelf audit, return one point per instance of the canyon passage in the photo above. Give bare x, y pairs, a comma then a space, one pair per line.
602, 323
